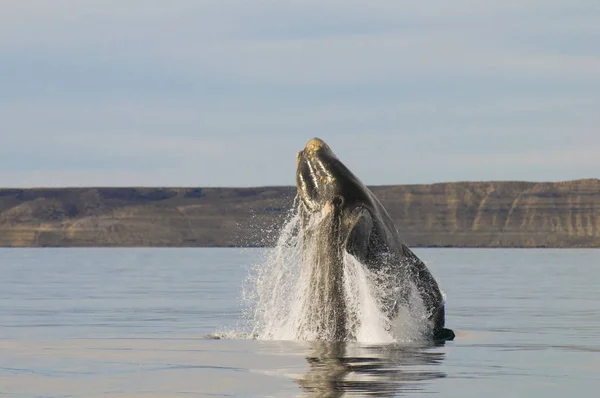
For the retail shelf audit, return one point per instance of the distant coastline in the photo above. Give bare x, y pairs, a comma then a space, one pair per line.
462, 214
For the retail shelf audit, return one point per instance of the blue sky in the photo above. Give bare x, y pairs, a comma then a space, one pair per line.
224, 93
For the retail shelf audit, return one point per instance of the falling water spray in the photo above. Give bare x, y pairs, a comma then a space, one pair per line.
287, 298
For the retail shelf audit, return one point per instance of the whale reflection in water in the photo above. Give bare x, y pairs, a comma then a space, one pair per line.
343, 368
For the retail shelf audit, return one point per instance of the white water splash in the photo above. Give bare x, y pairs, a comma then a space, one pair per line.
363, 303
281, 308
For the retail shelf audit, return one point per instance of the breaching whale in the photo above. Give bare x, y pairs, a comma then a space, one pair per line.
339, 216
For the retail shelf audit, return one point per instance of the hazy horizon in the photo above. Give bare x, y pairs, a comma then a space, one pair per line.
275, 186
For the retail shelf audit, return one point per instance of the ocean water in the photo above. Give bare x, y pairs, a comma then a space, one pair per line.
143, 322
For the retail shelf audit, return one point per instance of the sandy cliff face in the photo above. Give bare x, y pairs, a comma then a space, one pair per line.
482, 214
497, 214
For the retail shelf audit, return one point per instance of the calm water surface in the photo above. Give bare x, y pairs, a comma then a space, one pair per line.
135, 323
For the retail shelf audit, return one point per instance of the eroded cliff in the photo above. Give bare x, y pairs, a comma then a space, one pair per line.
465, 214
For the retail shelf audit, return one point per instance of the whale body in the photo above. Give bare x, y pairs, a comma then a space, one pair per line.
340, 216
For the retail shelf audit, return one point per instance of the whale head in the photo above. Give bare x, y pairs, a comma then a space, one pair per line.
323, 180
328, 188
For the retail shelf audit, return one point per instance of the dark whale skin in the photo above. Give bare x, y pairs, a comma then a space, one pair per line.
357, 223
